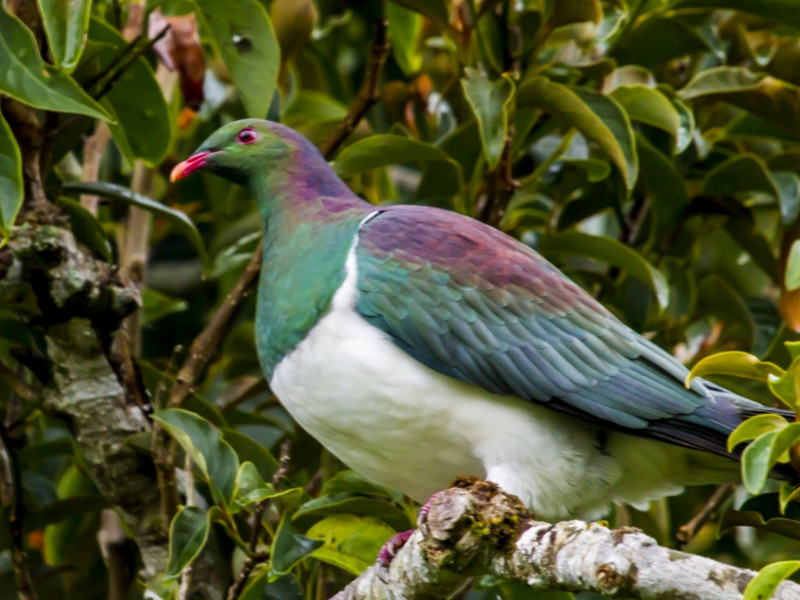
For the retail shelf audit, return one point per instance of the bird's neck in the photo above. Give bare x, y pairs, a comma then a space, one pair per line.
310, 222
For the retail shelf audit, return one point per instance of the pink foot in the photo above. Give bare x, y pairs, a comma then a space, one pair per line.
422, 518
392, 547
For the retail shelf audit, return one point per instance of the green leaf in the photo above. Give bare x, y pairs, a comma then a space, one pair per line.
650, 106
567, 12
285, 588
27, 78
675, 39
786, 386
135, 98
763, 512
404, 30
772, 99
248, 449
599, 118
754, 427
756, 462
744, 173
288, 547
783, 12
791, 279
382, 150
489, 101
65, 24
736, 363
608, 250
11, 191
433, 9
156, 305
768, 579
354, 504
205, 446
665, 187
242, 32
86, 228
350, 542
188, 534
174, 217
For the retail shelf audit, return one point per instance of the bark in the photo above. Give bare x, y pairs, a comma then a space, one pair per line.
474, 529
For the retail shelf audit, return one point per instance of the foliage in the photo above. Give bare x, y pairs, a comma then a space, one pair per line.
649, 148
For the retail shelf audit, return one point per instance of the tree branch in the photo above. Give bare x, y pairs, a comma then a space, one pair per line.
367, 94
474, 529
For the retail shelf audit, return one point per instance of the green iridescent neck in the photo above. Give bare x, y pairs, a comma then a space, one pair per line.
310, 221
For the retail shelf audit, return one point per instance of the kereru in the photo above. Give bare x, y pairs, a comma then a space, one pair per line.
417, 344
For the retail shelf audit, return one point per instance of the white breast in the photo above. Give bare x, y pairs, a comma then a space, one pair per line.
408, 427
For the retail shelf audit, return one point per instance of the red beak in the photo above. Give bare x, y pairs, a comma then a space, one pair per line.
185, 168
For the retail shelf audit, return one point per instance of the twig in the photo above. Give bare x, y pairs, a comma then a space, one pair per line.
11, 493
19, 386
367, 94
93, 148
108, 81
280, 475
241, 390
205, 344
687, 531
500, 187
247, 567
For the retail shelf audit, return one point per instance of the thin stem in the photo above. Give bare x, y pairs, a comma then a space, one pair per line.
367, 94
686, 532
19, 386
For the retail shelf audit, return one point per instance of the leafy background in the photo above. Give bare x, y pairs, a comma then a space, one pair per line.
648, 148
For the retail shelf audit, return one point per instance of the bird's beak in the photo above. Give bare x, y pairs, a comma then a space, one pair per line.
185, 168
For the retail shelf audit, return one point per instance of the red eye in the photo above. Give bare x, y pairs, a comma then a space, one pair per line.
248, 135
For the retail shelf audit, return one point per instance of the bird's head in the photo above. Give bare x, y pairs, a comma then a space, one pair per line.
239, 150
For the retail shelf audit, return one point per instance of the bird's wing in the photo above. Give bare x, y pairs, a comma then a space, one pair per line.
477, 305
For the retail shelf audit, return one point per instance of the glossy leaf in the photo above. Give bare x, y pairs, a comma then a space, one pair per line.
675, 38
284, 588
781, 11
791, 279
610, 251
248, 449
383, 150
135, 98
27, 78
665, 187
288, 547
65, 23
748, 173
11, 192
350, 542
756, 463
763, 512
649, 106
786, 386
156, 305
243, 34
490, 101
433, 9
404, 29
598, 117
754, 427
188, 534
566, 12
769, 578
771, 99
205, 446
175, 217
735, 363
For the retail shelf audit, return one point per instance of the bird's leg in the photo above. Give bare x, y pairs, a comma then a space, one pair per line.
398, 540
392, 547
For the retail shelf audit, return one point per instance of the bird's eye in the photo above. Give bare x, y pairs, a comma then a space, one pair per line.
247, 135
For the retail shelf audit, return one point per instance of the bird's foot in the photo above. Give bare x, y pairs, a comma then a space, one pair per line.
392, 547
422, 517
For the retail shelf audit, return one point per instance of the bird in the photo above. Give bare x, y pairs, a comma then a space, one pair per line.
418, 344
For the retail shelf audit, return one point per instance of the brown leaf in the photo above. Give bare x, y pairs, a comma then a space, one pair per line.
180, 50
